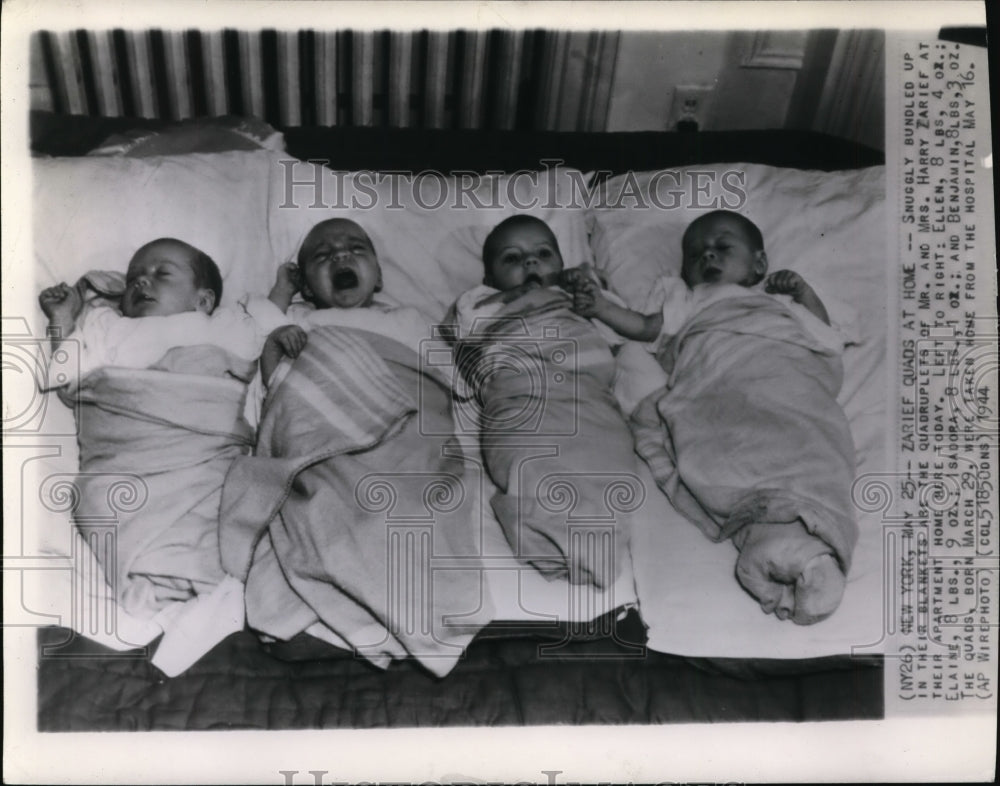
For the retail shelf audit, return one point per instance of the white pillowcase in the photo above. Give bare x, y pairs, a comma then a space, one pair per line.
827, 226
245, 211
95, 212
250, 211
428, 229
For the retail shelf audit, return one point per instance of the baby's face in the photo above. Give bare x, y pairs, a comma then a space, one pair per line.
522, 254
717, 250
160, 282
338, 265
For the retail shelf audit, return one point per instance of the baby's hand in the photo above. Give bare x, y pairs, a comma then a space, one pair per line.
787, 282
570, 278
586, 297
290, 339
573, 277
61, 302
288, 278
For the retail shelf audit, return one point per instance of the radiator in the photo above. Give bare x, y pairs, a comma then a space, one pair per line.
530, 80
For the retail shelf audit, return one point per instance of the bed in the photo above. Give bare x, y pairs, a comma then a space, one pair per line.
675, 639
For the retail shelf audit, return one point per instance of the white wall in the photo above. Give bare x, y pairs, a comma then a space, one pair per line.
647, 68
755, 77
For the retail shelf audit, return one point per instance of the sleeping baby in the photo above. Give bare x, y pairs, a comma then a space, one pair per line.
747, 439
553, 438
356, 432
160, 392
165, 278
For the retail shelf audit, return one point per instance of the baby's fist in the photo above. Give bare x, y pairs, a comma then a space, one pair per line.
585, 300
570, 278
290, 339
786, 282
60, 301
289, 277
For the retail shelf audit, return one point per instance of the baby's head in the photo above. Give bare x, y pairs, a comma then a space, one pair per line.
723, 247
520, 250
338, 265
168, 276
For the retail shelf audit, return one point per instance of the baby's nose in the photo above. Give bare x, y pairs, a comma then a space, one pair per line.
530, 260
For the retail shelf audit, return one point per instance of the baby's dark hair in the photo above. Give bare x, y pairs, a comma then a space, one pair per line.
207, 274
750, 229
753, 232
301, 256
510, 223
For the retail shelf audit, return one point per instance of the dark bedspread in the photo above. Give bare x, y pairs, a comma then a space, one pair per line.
504, 680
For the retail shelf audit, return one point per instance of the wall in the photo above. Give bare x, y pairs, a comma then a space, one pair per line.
647, 68
823, 80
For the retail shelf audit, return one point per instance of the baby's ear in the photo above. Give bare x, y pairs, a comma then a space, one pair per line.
378, 281
760, 264
206, 301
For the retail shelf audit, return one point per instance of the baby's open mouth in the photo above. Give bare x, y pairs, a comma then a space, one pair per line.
711, 274
535, 279
345, 279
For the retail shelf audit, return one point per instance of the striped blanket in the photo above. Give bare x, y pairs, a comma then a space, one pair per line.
353, 522
553, 438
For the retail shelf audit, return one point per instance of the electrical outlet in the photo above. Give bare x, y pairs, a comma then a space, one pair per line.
690, 105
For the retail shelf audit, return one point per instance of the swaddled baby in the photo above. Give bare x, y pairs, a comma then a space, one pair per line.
554, 440
339, 277
160, 392
356, 436
748, 439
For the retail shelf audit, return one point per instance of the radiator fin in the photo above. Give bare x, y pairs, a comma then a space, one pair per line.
502, 79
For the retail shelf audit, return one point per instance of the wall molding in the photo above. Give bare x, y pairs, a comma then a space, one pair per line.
785, 49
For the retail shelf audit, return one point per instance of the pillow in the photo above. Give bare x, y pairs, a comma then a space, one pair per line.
200, 135
94, 212
428, 229
827, 226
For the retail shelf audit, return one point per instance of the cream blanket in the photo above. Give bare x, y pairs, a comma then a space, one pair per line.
748, 430
155, 446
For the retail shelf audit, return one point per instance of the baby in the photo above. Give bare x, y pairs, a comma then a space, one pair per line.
748, 370
720, 247
355, 418
337, 269
544, 379
160, 394
165, 278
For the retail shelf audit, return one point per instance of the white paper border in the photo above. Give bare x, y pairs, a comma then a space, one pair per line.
924, 750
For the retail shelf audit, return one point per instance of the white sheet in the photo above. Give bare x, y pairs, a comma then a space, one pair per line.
831, 228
